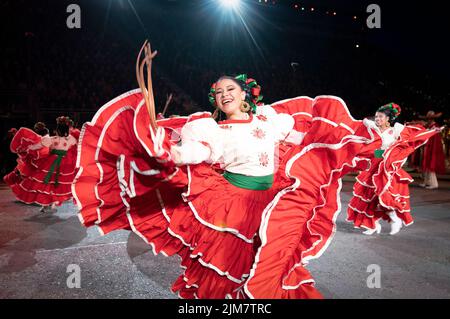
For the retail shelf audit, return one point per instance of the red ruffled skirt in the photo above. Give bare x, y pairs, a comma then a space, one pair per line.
27, 181
372, 200
232, 242
384, 186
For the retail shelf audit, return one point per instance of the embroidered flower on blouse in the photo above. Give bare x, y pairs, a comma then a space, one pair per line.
264, 159
225, 127
259, 133
262, 118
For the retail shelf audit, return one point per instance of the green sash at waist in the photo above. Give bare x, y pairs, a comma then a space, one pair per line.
55, 166
379, 153
257, 183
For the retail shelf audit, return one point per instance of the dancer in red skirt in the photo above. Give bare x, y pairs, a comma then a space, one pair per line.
381, 191
245, 201
433, 161
14, 177
46, 166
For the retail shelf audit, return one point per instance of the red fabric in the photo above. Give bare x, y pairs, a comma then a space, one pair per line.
300, 109
433, 154
301, 222
132, 177
384, 186
27, 180
75, 133
128, 181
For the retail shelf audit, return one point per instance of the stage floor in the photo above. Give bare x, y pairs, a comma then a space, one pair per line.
36, 250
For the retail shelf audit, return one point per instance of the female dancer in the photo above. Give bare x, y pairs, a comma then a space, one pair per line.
433, 161
381, 191
46, 166
244, 202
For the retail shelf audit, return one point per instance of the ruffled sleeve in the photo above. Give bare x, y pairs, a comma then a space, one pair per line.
72, 140
200, 142
45, 142
282, 124
398, 129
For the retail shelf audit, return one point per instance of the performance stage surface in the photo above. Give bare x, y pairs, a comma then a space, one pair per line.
36, 250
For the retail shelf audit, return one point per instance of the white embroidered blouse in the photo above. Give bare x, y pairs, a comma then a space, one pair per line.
55, 142
244, 147
389, 136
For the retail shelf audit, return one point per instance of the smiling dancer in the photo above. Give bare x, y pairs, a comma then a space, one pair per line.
245, 202
382, 192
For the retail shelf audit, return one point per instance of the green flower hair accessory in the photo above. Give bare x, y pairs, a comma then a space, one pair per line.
395, 108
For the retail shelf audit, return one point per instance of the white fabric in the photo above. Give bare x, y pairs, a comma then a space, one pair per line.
282, 123
242, 147
389, 136
430, 179
295, 137
62, 143
192, 150
55, 142
45, 142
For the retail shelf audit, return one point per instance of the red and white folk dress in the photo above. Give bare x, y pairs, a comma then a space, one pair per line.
45, 170
433, 154
247, 218
383, 187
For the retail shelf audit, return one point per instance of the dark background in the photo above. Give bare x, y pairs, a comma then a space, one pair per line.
48, 70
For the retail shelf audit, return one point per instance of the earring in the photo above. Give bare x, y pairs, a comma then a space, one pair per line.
245, 107
215, 114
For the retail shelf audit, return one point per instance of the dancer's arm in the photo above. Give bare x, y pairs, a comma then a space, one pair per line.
191, 152
295, 137
45, 142
283, 125
201, 141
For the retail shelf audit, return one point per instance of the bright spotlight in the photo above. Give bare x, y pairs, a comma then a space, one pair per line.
234, 4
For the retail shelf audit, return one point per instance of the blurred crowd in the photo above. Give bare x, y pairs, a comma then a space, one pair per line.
48, 70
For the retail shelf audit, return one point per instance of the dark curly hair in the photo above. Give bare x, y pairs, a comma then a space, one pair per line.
392, 111
251, 88
41, 129
63, 124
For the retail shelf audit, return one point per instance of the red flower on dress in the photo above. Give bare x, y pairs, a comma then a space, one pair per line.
262, 118
264, 159
259, 133
225, 126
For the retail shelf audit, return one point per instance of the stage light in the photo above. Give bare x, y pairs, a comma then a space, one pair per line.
232, 4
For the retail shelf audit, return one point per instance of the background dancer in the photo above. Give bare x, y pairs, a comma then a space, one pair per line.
46, 166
